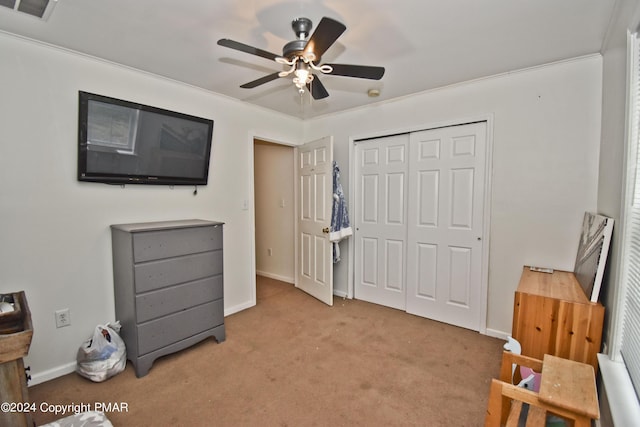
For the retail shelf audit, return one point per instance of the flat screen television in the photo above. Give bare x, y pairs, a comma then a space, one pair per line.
122, 142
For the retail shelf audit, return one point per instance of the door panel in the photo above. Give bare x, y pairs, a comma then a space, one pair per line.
369, 270
380, 221
444, 277
427, 258
459, 276
394, 255
462, 198
370, 199
428, 184
314, 267
395, 198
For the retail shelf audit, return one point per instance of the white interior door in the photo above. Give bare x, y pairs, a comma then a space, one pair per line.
419, 220
381, 220
314, 192
446, 209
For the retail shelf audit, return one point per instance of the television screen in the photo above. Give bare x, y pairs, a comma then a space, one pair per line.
121, 142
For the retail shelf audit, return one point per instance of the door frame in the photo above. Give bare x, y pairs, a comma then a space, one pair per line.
486, 227
248, 204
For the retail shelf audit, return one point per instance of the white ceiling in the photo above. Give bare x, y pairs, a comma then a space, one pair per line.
423, 44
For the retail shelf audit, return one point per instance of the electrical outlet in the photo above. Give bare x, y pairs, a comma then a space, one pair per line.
270, 251
63, 318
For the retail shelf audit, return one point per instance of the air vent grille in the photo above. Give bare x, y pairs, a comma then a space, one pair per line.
33, 7
8, 3
38, 8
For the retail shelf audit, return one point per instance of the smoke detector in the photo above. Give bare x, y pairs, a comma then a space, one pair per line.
39, 8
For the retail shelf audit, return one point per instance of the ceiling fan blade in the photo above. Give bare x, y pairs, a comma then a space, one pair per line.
247, 49
359, 71
317, 89
324, 36
260, 81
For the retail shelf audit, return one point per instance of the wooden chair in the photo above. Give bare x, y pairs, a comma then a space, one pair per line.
506, 400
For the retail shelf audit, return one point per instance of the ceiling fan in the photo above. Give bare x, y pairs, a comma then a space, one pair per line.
303, 56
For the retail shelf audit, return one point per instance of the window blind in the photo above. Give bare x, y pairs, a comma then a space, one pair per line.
630, 346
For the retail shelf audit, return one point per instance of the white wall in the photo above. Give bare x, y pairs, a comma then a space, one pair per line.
54, 231
274, 211
615, 391
545, 162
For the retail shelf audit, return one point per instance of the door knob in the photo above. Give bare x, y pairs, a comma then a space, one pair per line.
325, 230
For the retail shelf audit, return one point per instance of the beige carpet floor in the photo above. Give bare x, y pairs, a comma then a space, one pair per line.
293, 361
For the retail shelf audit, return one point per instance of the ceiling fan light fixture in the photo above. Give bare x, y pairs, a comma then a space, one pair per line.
302, 75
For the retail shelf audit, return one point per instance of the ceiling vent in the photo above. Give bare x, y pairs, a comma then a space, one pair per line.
38, 8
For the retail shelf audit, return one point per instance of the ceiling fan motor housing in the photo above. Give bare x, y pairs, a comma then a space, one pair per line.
302, 27
293, 49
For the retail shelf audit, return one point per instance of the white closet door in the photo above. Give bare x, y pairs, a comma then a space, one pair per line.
381, 220
419, 218
445, 223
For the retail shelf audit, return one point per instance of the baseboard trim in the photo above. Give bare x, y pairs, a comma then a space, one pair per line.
285, 279
53, 373
341, 294
237, 308
497, 334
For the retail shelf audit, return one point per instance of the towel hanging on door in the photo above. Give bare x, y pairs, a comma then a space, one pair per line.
340, 227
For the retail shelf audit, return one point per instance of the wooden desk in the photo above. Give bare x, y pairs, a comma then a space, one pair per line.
552, 315
570, 385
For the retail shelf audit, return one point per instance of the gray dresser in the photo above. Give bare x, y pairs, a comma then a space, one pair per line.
168, 285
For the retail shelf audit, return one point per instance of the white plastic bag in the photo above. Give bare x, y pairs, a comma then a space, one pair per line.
103, 355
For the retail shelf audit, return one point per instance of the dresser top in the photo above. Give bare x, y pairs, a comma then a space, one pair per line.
561, 285
163, 225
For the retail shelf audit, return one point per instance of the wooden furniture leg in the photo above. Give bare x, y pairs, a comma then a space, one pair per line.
13, 389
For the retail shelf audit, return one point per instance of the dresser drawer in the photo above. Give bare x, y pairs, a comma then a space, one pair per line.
161, 302
152, 245
178, 326
160, 274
